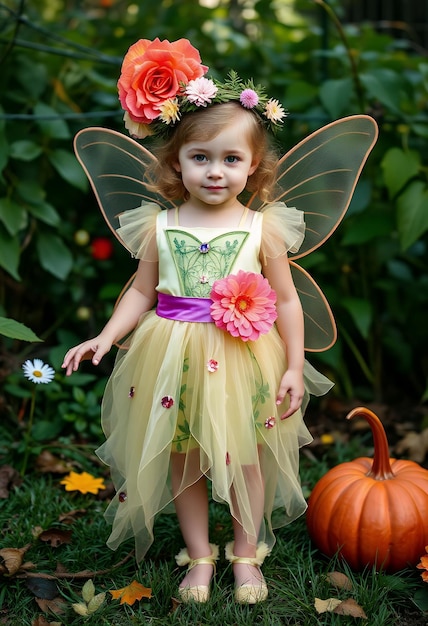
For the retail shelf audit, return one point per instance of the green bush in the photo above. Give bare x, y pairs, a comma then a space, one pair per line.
58, 74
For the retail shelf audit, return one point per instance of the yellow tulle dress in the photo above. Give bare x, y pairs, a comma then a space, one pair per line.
181, 387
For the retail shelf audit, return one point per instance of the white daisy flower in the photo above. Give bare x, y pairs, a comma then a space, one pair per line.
274, 111
38, 372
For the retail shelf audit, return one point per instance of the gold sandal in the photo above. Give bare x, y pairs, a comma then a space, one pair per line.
249, 593
197, 593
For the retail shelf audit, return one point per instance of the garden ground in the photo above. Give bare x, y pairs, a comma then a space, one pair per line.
59, 542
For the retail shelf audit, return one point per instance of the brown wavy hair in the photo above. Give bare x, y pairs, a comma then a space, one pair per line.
204, 125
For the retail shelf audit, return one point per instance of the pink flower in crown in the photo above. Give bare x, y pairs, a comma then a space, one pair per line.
154, 72
243, 305
201, 91
249, 99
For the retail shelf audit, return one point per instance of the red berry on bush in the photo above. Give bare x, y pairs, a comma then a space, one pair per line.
101, 248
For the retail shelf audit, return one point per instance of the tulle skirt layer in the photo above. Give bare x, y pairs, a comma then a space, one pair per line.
191, 389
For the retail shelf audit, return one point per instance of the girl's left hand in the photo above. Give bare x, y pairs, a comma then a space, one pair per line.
291, 384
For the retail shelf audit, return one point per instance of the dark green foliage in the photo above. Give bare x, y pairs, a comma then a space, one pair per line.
59, 66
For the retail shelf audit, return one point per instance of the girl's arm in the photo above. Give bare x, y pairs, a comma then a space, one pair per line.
139, 299
291, 329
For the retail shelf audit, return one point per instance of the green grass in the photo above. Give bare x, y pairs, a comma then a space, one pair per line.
296, 572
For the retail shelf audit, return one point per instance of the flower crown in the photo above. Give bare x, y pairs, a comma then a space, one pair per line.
160, 81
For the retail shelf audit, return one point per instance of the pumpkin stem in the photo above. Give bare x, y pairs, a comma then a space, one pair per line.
381, 467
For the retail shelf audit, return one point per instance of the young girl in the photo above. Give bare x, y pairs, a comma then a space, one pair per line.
210, 384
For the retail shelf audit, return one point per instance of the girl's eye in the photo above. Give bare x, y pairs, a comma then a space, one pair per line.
231, 159
199, 158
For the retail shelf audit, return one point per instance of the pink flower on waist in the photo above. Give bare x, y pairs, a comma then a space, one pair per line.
243, 305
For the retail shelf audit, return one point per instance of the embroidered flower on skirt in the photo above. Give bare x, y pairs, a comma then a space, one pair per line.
212, 365
270, 422
122, 496
131, 392
204, 248
243, 305
167, 402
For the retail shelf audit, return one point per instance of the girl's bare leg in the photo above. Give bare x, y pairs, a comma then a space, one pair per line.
243, 544
191, 506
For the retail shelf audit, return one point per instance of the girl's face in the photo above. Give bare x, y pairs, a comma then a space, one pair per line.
215, 172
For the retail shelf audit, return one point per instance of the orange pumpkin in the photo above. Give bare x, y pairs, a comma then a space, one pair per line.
373, 512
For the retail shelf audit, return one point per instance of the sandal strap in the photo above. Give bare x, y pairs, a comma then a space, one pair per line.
183, 558
262, 552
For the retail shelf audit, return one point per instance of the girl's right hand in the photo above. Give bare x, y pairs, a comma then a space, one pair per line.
93, 349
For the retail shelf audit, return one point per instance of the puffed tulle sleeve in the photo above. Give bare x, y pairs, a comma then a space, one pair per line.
138, 231
283, 230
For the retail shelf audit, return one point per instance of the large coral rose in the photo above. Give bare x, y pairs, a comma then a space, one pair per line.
152, 72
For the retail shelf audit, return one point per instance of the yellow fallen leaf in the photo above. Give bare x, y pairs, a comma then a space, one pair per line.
131, 593
80, 609
326, 606
95, 603
88, 591
84, 482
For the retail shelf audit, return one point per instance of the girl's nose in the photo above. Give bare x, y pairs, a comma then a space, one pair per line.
215, 170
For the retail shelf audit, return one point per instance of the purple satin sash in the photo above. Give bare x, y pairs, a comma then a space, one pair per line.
184, 309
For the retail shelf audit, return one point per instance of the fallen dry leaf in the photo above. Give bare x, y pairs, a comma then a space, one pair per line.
415, 445
56, 537
339, 580
91, 602
70, 516
131, 593
42, 621
60, 569
55, 606
326, 606
350, 607
12, 559
47, 462
42, 588
36, 531
80, 608
88, 591
9, 477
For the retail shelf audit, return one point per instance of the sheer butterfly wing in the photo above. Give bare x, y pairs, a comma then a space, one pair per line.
116, 167
318, 176
320, 327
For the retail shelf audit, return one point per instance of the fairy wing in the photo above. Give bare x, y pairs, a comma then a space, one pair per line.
116, 167
318, 176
